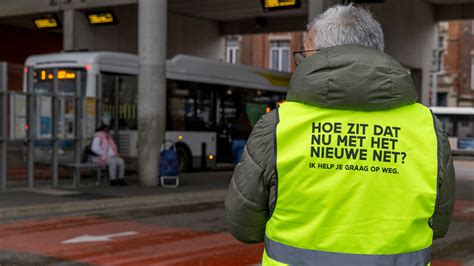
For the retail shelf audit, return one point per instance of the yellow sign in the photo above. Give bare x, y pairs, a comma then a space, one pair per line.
270, 5
101, 18
46, 23
91, 107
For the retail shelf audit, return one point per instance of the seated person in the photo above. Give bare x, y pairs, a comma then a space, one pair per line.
107, 153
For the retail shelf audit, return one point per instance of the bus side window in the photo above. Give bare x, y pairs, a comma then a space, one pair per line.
191, 106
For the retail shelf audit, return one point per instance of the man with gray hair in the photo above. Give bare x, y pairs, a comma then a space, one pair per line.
350, 170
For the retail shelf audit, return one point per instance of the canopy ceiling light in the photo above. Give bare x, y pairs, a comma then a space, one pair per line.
102, 17
364, 1
272, 5
47, 22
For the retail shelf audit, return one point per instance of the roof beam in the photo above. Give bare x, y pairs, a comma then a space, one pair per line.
27, 7
454, 12
264, 25
450, 2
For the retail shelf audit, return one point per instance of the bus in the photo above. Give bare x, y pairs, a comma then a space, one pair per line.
204, 98
458, 122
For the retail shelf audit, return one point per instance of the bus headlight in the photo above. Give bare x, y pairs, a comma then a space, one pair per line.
211, 157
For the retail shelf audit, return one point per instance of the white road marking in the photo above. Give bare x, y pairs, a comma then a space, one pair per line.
89, 238
468, 210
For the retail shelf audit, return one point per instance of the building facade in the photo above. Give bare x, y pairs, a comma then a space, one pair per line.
271, 50
453, 78
453, 67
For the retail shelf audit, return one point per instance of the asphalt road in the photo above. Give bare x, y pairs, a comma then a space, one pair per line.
458, 245
192, 235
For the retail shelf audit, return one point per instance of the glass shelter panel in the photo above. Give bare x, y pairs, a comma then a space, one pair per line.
44, 99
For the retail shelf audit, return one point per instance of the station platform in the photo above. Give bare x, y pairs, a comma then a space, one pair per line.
45, 200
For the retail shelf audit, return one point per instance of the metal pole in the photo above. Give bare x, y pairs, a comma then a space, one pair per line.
78, 118
55, 118
116, 113
3, 125
434, 88
98, 106
152, 23
31, 126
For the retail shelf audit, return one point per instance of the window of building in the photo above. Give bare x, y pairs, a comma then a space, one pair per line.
442, 99
232, 50
280, 55
438, 60
472, 73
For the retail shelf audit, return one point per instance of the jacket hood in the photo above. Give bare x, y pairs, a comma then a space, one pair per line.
352, 77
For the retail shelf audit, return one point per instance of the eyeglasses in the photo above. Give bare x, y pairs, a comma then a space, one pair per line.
299, 56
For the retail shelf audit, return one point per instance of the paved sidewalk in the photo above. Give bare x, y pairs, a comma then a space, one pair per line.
195, 188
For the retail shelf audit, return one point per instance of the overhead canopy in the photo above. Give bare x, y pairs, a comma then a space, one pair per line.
243, 16
234, 16
453, 9
229, 10
451, 2
247, 16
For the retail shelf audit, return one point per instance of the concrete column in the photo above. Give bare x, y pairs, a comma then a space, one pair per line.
316, 7
68, 29
152, 19
410, 36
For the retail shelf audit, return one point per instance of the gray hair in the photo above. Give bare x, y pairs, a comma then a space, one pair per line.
346, 25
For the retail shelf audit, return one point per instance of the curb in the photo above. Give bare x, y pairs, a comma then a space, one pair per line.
106, 205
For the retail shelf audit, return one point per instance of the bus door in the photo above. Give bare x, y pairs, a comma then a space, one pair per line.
191, 117
119, 110
229, 102
239, 110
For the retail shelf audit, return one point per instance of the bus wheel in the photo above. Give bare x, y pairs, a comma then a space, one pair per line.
184, 158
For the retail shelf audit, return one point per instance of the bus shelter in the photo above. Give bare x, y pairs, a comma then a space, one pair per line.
52, 122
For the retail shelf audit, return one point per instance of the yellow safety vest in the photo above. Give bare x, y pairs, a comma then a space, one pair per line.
353, 187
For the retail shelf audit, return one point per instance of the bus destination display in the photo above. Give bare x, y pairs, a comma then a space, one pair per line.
62, 74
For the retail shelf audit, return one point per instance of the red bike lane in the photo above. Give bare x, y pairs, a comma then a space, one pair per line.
107, 242
101, 241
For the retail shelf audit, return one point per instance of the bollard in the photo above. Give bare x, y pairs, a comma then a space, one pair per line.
3, 125
30, 134
55, 135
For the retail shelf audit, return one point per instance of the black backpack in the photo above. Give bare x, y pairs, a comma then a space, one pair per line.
87, 152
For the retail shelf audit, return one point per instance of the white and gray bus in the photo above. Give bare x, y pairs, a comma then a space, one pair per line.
204, 98
458, 122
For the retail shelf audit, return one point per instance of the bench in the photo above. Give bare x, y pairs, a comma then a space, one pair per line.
78, 167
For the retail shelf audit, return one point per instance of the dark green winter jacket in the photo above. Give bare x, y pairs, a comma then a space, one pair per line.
343, 77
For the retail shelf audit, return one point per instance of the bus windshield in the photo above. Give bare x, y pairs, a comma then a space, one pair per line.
43, 80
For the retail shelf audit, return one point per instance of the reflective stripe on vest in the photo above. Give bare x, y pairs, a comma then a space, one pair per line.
297, 256
354, 182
